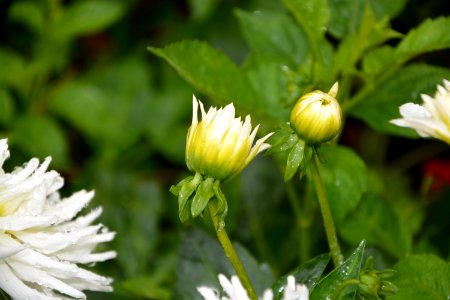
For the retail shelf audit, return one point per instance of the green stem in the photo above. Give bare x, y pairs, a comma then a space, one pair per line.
330, 230
230, 252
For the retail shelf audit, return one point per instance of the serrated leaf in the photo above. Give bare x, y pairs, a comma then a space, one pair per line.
211, 72
84, 17
312, 15
344, 174
431, 35
40, 137
326, 288
381, 104
307, 274
421, 277
274, 37
376, 222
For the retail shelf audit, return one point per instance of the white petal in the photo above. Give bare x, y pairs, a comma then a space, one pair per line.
4, 153
208, 293
412, 110
9, 246
16, 288
18, 223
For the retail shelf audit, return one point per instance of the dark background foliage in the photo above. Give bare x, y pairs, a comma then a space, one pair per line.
77, 83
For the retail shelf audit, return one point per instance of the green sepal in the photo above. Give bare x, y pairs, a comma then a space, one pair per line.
202, 196
184, 190
294, 159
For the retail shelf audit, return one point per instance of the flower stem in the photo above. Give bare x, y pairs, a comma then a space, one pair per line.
230, 252
330, 230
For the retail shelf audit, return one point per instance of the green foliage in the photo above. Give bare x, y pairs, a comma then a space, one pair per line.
424, 277
76, 84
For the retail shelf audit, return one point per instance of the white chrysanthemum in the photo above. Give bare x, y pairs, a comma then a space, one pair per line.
432, 118
220, 145
234, 290
40, 241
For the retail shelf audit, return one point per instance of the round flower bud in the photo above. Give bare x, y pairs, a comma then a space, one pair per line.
220, 145
317, 116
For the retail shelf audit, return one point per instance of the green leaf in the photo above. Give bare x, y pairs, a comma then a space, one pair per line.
421, 277
376, 222
40, 137
211, 72
27, 13
85, 17
431, 35
381, 104
345, 175
202, 259
312, 15
308, 274
274, 37
348, 270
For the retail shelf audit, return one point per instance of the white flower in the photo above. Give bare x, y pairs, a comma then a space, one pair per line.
40, 241
220, 145
432, 118
235, 291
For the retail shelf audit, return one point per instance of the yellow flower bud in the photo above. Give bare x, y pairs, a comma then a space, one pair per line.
317, 116
220, 145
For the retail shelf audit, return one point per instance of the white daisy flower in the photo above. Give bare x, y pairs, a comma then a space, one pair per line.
432, 118
220, 145
41, 241
234, 290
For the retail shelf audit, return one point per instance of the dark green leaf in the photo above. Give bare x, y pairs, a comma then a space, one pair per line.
381, 104
422, 277
211, 72
326, 288
345, 175
429, 36
308, 274
84, 17
147, 287
13, 71
376, 222
40, 137
274, 37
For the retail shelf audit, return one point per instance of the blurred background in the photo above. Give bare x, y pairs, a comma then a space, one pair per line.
77, 84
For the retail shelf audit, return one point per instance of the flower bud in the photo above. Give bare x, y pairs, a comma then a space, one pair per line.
220, 145
317, 116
